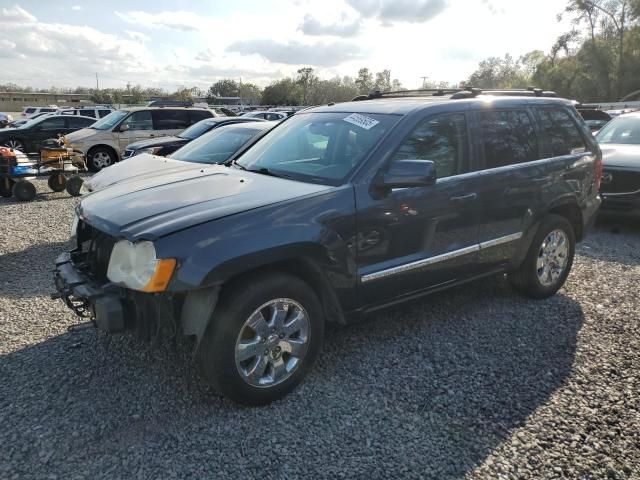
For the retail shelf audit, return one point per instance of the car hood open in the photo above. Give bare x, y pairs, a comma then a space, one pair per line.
621, 156
154, 206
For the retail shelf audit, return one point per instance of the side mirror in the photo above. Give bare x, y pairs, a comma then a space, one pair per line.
410, 173
123, 128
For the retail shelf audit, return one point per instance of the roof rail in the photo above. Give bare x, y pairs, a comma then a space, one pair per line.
458, 93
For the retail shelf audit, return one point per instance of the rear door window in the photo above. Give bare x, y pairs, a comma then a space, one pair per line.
86, 113
30, 110
171, 119
509, 138
79, 122
563, 135
54, 123
103, 113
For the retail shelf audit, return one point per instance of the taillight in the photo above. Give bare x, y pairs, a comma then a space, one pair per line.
598, 173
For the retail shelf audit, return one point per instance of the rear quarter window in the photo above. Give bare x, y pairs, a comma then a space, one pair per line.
561, 132
171, 119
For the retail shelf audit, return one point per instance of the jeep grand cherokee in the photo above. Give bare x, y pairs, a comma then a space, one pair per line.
338, 211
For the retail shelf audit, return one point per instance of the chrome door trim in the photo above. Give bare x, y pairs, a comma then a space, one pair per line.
500, 241
388, 272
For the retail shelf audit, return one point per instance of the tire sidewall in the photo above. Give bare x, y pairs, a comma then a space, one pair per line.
90, 162
217, 350
550, 224
24, 191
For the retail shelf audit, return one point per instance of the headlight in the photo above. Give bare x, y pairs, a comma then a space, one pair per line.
74, 226
150, 150
135, 266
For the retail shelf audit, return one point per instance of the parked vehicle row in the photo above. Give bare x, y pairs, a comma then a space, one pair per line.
28, 137
336, 212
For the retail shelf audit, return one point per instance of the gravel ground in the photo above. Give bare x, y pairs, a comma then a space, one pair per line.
474, 383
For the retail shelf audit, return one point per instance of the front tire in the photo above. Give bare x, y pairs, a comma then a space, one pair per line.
99, 158
15, 144
548, 261
264, 336
24, 190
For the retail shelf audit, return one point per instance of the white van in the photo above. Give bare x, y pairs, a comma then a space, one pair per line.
28, 112
104, 142
93, 112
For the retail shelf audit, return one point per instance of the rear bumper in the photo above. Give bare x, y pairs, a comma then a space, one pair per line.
102, 304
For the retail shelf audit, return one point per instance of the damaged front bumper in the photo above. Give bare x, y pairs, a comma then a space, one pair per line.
102, 304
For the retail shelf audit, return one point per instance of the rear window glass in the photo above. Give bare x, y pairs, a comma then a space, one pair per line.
562, 132
171, 119
509, 138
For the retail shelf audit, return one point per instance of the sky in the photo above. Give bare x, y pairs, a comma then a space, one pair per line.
184, 43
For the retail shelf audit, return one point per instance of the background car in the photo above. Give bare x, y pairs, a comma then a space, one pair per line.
620, 144
215, 146
29, 137
21, 121
271, 116
29, 112
104, 143
5, 119
163, 146
98, 111
595, 119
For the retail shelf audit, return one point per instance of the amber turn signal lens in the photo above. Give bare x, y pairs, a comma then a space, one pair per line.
161, 277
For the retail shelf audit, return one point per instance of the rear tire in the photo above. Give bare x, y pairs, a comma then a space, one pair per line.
74, 184
24, 191
548, 261
57, 182
99, 158
15, 145
263, 338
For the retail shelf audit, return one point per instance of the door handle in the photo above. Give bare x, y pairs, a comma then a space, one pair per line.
471, 197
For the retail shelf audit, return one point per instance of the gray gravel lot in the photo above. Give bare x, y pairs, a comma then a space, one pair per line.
473, 383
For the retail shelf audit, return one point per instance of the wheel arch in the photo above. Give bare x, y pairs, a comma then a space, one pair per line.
572, 212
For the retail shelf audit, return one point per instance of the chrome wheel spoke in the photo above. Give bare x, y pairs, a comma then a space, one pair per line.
294, 347
278, 315
257, 369
249, 349
258, 324
553, 258
294, 325
278, 370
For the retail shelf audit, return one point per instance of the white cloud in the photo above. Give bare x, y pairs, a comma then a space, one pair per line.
16, 14
77, 8
175, 20
389, 11
343, 28
296, 53
137, 36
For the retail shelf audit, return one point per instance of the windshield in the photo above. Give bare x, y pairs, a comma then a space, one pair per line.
110, 121
622, 130
318, 147
216, 146
197, 129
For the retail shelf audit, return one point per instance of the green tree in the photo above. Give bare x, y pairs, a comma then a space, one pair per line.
364, 81
383, 81
223, 88
282, 92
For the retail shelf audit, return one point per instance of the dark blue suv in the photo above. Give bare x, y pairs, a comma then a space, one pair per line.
339, 211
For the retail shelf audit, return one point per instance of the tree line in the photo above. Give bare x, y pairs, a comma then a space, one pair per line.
597, 60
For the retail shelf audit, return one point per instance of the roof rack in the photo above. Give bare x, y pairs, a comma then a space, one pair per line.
458, 93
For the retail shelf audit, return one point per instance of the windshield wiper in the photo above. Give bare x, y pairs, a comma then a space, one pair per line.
267, 171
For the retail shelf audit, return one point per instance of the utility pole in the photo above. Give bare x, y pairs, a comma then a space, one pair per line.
97, 83
424, 81
240, 94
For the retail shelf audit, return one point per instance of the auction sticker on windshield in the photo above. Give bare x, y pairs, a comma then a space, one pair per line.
362, 121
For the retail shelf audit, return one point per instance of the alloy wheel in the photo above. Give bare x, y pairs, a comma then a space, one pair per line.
101, 159
272, 342
553, 257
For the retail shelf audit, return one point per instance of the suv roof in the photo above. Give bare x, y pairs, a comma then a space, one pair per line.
136, 109
405, 102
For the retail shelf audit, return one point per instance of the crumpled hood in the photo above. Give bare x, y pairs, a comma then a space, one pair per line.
150, 207
157, 142
136, 168
621, 156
